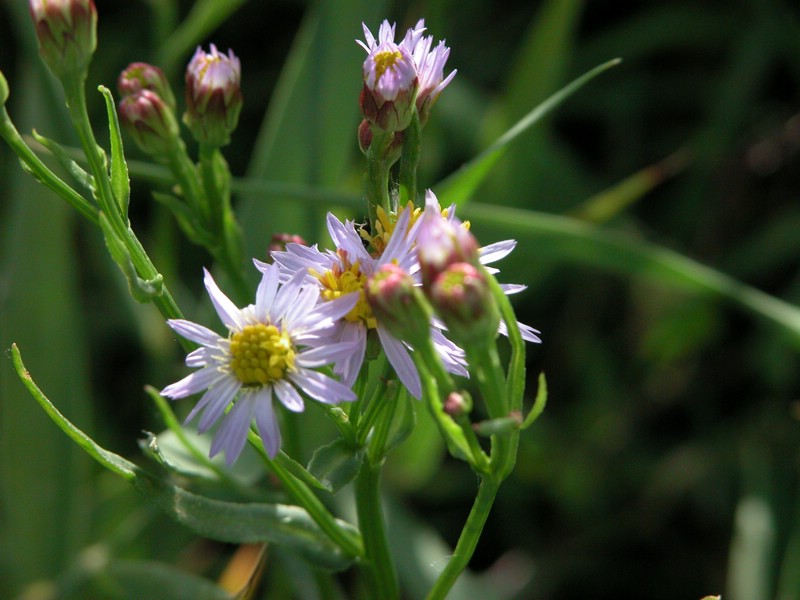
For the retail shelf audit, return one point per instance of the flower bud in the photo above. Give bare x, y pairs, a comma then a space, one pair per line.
66, 31
398, 305
140, 76
390, 82
150, 122
213, 96
458, 403
279, 241
442, 241
461, 297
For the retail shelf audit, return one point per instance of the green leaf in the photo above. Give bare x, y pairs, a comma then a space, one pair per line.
538, 404
569, 239
120, 182
142, 290
460, 185
69, 165
313, 115
335, 465
220, 520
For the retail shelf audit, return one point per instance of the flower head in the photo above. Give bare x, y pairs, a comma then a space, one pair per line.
271, 350
150, 121
66, 31
213, 96
349, 269
390, 81
140, 76
430, 68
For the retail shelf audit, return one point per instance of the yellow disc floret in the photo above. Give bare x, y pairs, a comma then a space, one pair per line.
385, 60
261, 354
345, 278
383, 227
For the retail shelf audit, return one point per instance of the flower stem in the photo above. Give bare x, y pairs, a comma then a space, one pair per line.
379, 570
468, 540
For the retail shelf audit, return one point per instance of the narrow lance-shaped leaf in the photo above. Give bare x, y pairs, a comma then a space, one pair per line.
120, 182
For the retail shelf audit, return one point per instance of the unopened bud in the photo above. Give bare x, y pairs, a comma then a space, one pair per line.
398, 304
461, 297
150, 122
140, 76
279, 241
457, 404
213, 96
441, 242
66, 31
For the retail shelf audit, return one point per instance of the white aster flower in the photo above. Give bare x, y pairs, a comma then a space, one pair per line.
430, 67
272, 350
347, 270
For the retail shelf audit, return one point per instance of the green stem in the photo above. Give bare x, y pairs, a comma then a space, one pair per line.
378, 568
378, 167
468, 540
304, 497
409, 161
215, 177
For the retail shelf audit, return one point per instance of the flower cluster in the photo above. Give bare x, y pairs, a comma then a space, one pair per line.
400, 78
317, 308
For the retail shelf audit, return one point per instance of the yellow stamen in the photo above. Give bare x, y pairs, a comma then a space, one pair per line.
384, 60
261, 354
345, 279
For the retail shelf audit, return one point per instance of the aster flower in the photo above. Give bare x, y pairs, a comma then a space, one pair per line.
444, 240
271, 351
348, 269
390, 81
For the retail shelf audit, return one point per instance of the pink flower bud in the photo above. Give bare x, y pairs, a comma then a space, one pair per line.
213, 96
398, 304
461, 297
66, 31
150, 122
140, 76
442, 241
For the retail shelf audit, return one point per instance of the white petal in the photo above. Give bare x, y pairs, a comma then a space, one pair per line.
232, 434
267, 424
227, 311
289, 396
302, 306
401, 361
199, 357
265, 294
512, 288
321, 387
494, 252
325, 355
224, 393
349, 368
193, 383
527, 332
194, 332
335, 309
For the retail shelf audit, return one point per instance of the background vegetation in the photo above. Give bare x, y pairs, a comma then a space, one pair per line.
656, 202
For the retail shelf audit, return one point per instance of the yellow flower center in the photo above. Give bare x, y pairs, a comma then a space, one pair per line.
384, 60
261, 354
346, 278
383, 228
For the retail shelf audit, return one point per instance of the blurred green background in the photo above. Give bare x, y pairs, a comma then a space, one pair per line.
666, 463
